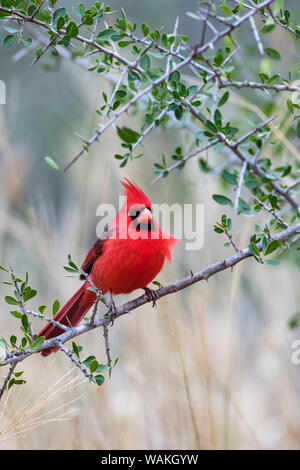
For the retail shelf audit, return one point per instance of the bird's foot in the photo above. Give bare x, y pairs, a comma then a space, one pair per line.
151, 294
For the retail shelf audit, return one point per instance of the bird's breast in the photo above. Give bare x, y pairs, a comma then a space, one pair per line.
126, 265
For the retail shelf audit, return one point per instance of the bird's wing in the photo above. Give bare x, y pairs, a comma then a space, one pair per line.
95, 252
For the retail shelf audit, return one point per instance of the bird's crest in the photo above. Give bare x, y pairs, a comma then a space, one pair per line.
134, 194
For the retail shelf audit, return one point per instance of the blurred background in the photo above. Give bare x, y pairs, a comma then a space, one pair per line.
210, 367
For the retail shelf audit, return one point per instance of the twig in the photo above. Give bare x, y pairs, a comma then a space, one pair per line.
256, 36
276, 20
149, 128
173, 45
259, 172
73, 359
21, 300
187, 157
272, 212
232, 241
260, 86
107, 348
47, 319
293, 185
240, 184
37, 9
7, 379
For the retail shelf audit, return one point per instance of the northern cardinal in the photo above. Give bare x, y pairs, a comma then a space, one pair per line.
127, 257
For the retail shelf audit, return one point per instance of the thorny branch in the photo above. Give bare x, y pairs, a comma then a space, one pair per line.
18, 356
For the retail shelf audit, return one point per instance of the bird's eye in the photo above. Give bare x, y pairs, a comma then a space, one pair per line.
134, 213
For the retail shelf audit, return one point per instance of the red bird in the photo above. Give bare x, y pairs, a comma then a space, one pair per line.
128, 256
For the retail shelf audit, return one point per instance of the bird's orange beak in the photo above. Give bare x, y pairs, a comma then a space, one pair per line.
145, 217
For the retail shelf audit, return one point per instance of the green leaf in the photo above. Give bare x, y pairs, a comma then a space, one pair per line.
25, 322
93, 365
99, 379
268, 26
223, 200
244, 207
71, 263
298, 128
145, 62
27, 42
42, 308
273, 262
253, 249
88, 360
29, 294
13, 340
38, 343
9, 40
60, 23
11, 300
145, 29
72, 30
51, 163
272, 53
3, 344
70, 270
116, 361
224, 99
106, 34
230, 178
211, 126
278, 5
60, 12
55, 307
39, 52
18, 374
92, 289
178, 112
272, 246
128, 135
102, 368
218, 118
16, 314
124, 43
15, 382
290, 106
76, 349
294, 321
121, 93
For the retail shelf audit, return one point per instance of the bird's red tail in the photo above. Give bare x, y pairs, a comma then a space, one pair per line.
70, 314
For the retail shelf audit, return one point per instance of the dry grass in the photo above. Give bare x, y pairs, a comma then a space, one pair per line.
209, 368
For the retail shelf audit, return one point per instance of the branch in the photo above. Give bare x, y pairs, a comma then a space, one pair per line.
74, 360
7, 378
260, 86
205, 274
276, 20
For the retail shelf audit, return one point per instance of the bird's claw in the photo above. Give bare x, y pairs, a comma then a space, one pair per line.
152, 295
